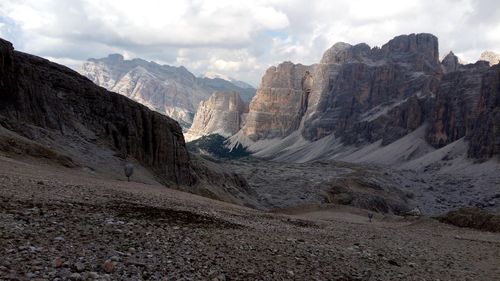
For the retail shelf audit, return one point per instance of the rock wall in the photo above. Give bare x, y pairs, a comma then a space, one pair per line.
361, 95
455, 105
336, 95
222, 113
35, 92
170, 90
485, 134
280, 101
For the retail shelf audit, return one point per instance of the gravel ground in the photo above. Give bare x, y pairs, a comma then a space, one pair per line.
67, 224
435, 192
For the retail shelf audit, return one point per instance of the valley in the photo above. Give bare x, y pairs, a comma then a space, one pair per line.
374, 163
64, 223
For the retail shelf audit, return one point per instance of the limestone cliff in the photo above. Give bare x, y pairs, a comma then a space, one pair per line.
222, 113
359, 95
351, 86
170, 90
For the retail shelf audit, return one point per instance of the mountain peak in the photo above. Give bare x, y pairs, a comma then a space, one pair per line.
450, 62
338, 53
116, 57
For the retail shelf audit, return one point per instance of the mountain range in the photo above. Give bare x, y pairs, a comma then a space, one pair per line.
394, 104
173, 91
372, 149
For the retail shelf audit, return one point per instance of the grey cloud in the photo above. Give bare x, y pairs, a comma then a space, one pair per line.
214, 35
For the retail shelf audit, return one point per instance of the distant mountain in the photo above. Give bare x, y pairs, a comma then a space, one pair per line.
51, 114
223, 113
170, 90
241, 84
390, 105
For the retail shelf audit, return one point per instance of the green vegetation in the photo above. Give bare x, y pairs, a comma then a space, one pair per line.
215, 146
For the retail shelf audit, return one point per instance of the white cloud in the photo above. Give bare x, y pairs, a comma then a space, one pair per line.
239, 38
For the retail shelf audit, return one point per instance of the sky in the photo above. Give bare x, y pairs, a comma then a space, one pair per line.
239, 39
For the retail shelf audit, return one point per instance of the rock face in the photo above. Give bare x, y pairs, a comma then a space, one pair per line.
450, 63
359, 95
348, 90
38, 95
455, 105
485, 134
173, 91
223, 113
491, 57
51, 113
280, 102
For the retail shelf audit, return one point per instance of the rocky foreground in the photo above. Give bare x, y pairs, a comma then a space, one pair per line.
62, 223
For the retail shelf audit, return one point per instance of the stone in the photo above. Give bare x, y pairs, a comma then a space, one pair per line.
79, 266
92, 275
75, 276
109, 266
220, 277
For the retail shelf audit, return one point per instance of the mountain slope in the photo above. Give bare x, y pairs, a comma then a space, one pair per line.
50, 113
173, 91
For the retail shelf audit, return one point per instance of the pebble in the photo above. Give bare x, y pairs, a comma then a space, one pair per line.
60, 239
412, 264
114, 258
57, 262
109, 266
79, 267
75, 276
92, 275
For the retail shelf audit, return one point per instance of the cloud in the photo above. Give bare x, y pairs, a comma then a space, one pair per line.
239, 38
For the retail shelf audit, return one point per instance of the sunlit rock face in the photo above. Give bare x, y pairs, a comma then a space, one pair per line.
361, 95
222, 113
491, 57
343, 92
173, 91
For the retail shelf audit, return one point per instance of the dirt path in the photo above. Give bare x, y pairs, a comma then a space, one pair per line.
57, 224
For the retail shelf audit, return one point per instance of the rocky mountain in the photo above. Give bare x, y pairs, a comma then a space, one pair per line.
241, 84
170, 90
51, 113
491, 57
359, 97
450, 63
223, 113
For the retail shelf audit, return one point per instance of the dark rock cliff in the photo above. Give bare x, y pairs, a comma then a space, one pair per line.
35, 92
485, 133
